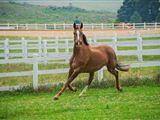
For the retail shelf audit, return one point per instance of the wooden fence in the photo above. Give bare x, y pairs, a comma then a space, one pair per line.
44, 50
93, 26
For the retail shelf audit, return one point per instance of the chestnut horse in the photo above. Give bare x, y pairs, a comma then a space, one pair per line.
88, 59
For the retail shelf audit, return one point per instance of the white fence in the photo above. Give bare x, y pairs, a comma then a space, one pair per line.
93, 26
36, 51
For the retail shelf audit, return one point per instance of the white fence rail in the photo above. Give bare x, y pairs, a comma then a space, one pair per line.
43, 50
93, 26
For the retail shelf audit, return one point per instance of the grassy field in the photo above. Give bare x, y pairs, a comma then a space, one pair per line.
142, 103
105, 5
27, 13
140, 98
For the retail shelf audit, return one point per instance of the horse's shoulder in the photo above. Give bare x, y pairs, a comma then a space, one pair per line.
99, 47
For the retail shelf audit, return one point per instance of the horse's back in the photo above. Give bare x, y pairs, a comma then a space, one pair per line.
107, 51
104, 48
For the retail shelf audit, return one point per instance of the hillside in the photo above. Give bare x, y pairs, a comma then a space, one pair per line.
27, 13
107, 5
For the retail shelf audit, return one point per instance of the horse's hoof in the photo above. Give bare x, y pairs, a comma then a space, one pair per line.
55, 98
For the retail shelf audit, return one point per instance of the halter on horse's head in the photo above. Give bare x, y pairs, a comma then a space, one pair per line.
79, 37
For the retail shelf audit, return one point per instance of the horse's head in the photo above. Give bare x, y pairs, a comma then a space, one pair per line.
79, 37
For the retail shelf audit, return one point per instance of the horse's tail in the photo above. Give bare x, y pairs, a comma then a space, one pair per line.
122, 67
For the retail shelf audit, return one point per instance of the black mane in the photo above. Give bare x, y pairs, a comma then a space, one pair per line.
85, 40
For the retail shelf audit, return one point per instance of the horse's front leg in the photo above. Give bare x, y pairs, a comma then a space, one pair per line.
91, 76
71, 78
71, 70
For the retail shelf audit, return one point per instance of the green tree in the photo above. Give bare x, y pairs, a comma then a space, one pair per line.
158, 17
148, 10
136, 18
126, 10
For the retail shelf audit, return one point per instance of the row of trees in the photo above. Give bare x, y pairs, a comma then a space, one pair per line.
139, 11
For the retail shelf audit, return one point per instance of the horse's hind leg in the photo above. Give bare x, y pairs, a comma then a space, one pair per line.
113, 71
91, 76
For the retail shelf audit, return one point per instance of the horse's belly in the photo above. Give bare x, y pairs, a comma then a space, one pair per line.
91, 69
95, 64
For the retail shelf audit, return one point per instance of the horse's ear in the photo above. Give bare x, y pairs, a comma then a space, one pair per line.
81, 26
74, 25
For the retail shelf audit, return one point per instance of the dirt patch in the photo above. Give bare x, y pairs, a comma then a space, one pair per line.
69, 33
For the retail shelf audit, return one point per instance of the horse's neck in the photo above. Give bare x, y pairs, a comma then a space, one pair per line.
81, 52
74, 50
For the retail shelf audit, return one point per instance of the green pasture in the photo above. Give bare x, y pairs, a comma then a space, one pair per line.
140, 103
140, 98
26, 13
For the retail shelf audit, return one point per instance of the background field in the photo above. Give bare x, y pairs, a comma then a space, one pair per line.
26, 13
100, 5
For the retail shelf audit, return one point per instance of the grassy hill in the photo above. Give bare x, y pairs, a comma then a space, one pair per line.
107, 5
27, 13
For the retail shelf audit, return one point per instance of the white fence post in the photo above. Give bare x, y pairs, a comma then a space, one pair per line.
134, 26
55, 27
45, 50
144, 25
90, 41
45, 26
114, 39
123, 25
6, 48
102, 26
95, 38
35, 72
92, 27
64, 27
100, 75
17, 26
155, 25
26, 25
39, 46
24, 47
8, 25
112, 25
139, 48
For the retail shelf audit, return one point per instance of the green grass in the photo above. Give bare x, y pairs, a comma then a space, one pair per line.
105, 5
26, 13
141, 103
52, 78
140, 98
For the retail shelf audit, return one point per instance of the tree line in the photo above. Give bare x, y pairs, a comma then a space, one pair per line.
136, 11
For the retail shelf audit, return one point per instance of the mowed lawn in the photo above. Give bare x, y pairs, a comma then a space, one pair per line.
141, 102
